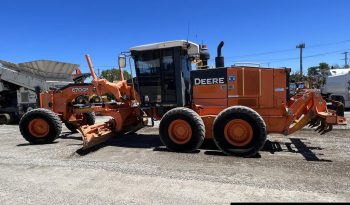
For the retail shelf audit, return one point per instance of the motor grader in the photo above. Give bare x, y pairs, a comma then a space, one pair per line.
236, 106
42, 125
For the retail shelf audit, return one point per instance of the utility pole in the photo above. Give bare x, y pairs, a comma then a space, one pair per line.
301, 46
346, 59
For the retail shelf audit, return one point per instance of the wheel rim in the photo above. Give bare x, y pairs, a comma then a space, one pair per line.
39, 127
96, 99
238, 132
180, 131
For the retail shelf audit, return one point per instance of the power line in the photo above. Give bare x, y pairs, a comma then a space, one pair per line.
264, 53
328, 44
309, 56
287, 50
266, 61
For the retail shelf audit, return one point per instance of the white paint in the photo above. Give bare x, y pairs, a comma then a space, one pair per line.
209, 81
279, 89
192, 49
80, 90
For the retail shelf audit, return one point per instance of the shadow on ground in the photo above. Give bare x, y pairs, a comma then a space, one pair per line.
30, 144
296, 145
70, 135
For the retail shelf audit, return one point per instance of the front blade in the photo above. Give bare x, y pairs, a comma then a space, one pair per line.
96, 134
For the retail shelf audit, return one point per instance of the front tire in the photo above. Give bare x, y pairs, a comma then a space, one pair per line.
40, 126
182, 130
239, 131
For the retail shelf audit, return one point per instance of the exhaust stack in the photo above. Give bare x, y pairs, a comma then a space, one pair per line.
219, 60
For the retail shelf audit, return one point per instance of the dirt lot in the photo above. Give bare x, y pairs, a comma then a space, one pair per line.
136, 169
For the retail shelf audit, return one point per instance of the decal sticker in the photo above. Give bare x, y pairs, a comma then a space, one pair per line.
80, 90
279, 89
209, 81
232, 78
209, 76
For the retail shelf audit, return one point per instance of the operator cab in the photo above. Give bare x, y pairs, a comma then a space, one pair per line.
163, 72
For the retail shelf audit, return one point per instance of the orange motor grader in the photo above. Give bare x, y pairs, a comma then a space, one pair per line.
43, 125
236, 106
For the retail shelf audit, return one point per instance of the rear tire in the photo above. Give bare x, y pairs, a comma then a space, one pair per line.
239, 131
40, 126
88, 119
5, 119
182, 130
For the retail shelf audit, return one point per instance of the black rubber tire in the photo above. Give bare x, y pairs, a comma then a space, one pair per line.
5, 118
89, 119
71, 127
55, 126
244, 113
193, 119
96, 99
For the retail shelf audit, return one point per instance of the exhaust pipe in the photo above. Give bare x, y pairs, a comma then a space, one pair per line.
219, 60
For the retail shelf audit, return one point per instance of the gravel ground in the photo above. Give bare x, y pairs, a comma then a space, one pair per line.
137, 169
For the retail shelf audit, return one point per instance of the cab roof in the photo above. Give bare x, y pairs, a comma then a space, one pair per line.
192, 48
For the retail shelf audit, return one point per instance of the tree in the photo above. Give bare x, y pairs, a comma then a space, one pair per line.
296, 77
335, 66
316, 74
114, 74
314, 70
324, 68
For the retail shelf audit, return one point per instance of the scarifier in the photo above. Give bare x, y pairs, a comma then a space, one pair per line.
237, 106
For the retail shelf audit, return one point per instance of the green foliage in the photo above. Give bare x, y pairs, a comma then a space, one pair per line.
296, 77
324, 68
312, 71
114, 74
316, 75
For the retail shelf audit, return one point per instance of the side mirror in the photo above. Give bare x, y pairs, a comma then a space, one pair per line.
122, 61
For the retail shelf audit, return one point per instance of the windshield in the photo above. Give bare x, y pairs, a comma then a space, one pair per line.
148, 64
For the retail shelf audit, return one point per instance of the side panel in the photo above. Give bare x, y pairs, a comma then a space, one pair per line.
280, 88
262, 89
209, 89
244, 86
266, 99
60, 101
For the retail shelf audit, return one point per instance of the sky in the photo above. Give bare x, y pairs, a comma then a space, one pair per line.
259, 31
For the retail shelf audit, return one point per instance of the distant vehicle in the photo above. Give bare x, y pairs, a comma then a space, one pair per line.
21, 83
337, 86
294, 86
336, 72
